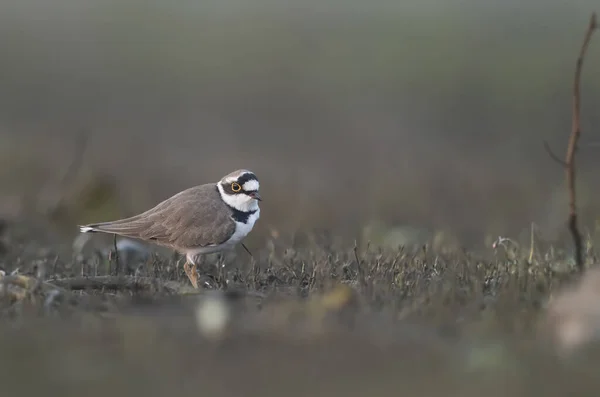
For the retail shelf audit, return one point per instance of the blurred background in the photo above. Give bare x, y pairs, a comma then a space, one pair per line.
426, 113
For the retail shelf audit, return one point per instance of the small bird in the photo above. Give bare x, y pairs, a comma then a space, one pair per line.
200, 220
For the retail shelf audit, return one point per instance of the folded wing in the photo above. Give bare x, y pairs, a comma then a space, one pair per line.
196, 217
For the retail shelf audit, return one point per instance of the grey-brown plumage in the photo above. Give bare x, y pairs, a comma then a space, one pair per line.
196, 217
199, 220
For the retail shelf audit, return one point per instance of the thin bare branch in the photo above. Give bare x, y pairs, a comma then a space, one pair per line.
572, 147
554, 156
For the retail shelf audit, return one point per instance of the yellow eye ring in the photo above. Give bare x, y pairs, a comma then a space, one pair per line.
236, 187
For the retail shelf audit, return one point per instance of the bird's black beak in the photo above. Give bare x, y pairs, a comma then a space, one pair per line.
255, 196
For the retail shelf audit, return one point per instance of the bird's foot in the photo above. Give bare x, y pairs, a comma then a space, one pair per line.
191, 273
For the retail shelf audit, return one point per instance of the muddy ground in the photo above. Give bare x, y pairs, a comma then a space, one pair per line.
320, 320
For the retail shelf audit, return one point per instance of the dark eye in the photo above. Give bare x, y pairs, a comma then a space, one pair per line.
236, 187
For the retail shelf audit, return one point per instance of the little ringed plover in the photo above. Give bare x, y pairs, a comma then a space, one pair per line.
200, 220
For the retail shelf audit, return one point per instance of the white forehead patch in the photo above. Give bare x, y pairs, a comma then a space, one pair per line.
251, 186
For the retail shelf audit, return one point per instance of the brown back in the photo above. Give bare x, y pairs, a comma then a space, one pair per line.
195, 217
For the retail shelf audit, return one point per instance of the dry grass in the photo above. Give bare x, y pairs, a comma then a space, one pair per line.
345, 141
322, 319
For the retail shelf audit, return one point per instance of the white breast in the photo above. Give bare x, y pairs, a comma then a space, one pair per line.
242, 229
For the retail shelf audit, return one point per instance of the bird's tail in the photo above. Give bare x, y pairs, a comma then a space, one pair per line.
124, 227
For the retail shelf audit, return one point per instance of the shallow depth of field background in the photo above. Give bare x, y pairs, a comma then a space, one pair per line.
381, 121
424, 113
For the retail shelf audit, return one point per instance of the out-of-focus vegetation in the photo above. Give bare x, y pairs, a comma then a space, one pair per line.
411, 129
316, 318
430, 114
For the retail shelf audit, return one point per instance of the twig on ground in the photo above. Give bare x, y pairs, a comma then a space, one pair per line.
120, 283
128, 283
569, 162
19, 287
575, 132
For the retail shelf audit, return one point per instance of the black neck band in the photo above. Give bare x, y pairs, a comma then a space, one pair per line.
237, 215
